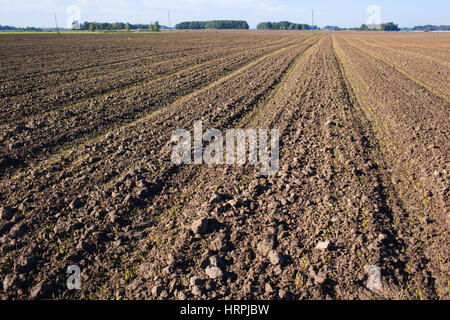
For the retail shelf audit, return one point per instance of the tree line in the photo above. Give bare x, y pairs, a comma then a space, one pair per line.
333, 28
283, 25
11, 28
430, 27
390, 26
225, 24
116, 26
213, 24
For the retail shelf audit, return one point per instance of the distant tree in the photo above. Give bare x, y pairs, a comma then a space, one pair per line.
91, 27
264, 26
12, 28
76, 25
118, 26
155, 27
430, 27
213, 24
364, 27
306, 27
390, 26
282, 25
334, 28
114, 26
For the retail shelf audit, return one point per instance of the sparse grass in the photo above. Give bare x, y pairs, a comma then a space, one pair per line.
129, 273
154, 239
300, 281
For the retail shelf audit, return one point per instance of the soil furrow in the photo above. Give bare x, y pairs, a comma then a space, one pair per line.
282, 59
34, 102
36, 83
439, 83
357, 208
412, 54
112, 108
63, 57
422, 206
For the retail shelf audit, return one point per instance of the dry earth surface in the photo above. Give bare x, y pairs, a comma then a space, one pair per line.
86, 177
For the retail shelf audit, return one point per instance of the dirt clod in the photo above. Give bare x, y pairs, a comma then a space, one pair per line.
213, 272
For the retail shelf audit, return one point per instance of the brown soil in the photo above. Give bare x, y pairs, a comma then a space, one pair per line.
86, 176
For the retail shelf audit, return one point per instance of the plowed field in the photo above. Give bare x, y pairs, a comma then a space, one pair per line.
86, 176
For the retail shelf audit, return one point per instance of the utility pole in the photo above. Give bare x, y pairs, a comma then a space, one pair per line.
313, 21
56, 22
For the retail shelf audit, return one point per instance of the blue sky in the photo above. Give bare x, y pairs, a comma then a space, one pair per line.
343, 13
